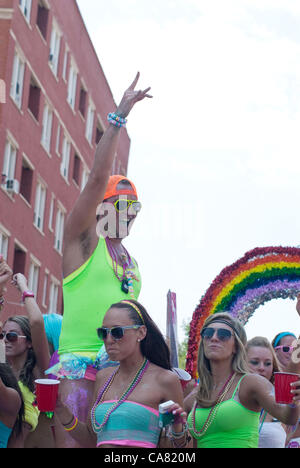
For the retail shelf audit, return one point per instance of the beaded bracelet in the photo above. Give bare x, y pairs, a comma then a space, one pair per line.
74, 425
116, 120
2, 300
186, 441
179, 435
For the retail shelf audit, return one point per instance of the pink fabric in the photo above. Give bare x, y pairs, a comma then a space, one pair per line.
90, 373
127, 443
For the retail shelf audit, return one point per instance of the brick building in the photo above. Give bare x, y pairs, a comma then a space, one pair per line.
57, 99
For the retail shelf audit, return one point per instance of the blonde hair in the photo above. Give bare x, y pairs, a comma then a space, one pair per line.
262, 342
239, 360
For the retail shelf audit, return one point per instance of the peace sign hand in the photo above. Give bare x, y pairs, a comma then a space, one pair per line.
131, 97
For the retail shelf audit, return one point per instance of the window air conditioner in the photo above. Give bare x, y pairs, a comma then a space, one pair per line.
12, 185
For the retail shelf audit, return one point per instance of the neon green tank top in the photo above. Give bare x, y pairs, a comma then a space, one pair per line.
234, 426
88, 293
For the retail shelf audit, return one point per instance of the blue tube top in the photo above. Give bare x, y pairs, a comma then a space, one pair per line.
131, 424
4, 435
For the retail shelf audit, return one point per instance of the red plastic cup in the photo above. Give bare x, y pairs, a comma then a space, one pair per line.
283, 387
46, 394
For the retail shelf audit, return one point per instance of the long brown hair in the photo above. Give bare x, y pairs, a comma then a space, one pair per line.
26, 375
239, 360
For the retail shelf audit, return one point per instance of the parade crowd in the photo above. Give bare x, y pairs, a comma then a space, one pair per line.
111, 359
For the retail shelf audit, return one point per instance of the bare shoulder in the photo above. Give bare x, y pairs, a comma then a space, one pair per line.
104, 374
252, 385
163, 376
252, 380
190, 400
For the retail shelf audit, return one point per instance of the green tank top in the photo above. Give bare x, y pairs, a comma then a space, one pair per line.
88, 293
233, 427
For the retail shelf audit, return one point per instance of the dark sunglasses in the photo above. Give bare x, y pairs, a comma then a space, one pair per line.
285, 349
222, 333
12, 337
117, 333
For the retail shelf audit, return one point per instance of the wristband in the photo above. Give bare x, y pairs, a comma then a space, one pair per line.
179, 435
116, 120
74, 425
27, 294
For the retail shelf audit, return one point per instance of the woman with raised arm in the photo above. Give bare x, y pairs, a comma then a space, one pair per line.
97, 268
11, 401
27, 352
225, 411
124, 411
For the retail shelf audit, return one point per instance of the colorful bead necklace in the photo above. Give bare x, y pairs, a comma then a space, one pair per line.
214, 410
136, 380
127, 278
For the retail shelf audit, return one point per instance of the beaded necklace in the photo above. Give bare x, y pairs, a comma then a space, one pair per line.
127, 278
214, 410
136, 380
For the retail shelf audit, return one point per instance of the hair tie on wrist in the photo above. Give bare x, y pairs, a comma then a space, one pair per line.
116, 120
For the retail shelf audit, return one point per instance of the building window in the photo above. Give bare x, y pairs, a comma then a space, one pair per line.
33, 278
82, 101
72, 86
9, 165
25, 6
99, 132
26, 181
42, 19
16, 89
54, 50
65, 64
39, 209
45, 287
65, 160
3, 244
59, 230
34, 98
19, 260
84, 178
57, 145
51, 213
53, 297
47, 128
76, 169
90, 123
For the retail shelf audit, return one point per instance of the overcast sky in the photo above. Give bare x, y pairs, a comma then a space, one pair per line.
216, 154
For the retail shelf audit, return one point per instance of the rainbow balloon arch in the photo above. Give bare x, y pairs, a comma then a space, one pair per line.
262, 274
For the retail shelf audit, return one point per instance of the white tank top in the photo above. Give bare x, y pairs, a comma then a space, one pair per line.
272, 435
